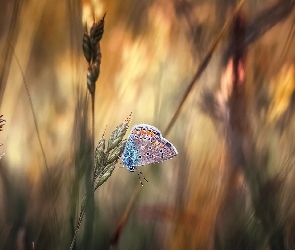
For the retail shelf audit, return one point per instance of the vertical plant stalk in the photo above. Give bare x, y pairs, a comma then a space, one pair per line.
83, 152
241, 144
94, 60
79, 222
2, 123
263, 23
92, 54
202, 67
40, 143
105, 160
6, 55
93, 122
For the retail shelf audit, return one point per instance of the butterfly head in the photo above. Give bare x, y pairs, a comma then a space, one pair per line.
131, 168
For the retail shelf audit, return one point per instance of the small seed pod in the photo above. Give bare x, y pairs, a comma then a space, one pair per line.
99, 151
92, 53
116, 153
104, 175
97, 30
87, 47
92, 76
96, 54
117, 135
99, 157
2, 122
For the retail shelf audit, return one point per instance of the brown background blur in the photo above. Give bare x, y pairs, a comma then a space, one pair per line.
150, 52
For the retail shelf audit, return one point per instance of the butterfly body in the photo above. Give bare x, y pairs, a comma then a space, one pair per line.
146, 145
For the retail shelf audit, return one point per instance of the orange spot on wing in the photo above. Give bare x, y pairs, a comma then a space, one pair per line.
143, 132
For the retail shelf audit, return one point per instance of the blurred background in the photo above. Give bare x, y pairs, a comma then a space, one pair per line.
231, 185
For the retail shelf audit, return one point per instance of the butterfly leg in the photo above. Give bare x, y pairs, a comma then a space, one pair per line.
143, 176
139, 178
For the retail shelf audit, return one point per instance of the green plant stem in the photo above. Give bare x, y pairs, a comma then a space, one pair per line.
79, 222
93, 122
89, 214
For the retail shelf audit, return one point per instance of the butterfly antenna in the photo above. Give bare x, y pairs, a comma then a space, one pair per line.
128, 119
104, 132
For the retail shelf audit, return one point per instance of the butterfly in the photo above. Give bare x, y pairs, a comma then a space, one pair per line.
146, 145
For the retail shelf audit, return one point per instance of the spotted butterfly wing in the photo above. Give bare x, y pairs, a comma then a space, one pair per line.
146, 145
152, 147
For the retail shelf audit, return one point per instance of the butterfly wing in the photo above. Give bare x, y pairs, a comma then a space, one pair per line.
150, 144
130, 154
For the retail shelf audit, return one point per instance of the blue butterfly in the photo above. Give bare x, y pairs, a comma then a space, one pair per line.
146, 145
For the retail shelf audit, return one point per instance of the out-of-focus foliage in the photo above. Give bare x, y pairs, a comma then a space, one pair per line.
281, 90
230, 187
